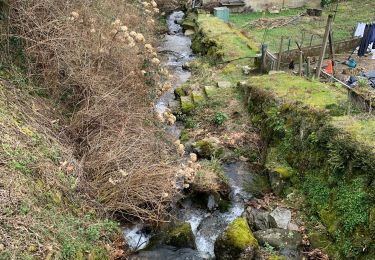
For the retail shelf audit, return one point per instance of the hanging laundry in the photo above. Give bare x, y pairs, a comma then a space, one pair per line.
360, 30
367, 39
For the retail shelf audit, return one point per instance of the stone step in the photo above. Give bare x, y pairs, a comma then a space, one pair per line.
224, 84
197, 96
210, 91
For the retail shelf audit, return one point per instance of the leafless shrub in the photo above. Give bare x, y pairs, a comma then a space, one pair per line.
98, 58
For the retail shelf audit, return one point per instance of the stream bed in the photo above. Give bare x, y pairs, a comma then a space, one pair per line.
206, 225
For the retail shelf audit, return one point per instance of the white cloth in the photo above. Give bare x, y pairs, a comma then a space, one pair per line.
360, 30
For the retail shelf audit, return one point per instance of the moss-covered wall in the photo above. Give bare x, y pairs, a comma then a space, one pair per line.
331, 164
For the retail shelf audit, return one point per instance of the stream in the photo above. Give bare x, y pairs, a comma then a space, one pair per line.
206, 226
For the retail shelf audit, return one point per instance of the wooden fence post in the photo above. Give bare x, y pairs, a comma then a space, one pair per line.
323, 50
280, 53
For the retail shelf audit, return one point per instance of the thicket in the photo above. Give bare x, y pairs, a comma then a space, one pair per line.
335, 171
97, 61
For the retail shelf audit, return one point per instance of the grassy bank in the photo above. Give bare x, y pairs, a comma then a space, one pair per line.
218, 41
326, 153
349, 14
42, 214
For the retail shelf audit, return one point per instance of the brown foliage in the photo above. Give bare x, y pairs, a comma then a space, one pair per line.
96, 57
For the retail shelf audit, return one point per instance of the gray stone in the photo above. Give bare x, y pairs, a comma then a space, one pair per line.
278, 183
167, 253
292, 226
280, 218
246, 70
211, 204
224, 84
279, 238
189, 32
258, 219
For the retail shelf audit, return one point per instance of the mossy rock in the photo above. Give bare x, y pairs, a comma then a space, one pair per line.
180, 236
182, 90
197, 96
187, 104
207, 148
235, 240
320, 240
258, 185
210, 91
372, 219
329, 220
277, 257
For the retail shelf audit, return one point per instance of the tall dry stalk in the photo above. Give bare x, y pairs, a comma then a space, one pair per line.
98, 58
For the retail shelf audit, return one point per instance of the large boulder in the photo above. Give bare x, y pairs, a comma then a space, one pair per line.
279, 238
236, 242
180, 236
208, 148
258, 219
280, 218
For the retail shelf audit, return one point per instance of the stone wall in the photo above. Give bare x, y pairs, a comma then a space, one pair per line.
260, 5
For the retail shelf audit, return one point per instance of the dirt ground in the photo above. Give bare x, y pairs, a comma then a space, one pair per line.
364, 64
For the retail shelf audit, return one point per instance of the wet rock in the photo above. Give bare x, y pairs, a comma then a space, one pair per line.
236, 242
167, 253
180, 236
279, 238
208, 147
290, 254
211, 204
278, 183
187, 66
258, 185
280, 218
258, 219
224, 84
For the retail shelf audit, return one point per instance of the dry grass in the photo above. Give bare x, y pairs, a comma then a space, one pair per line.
100, 54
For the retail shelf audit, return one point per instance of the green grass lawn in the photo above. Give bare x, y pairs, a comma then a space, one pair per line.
233, 44
348, 15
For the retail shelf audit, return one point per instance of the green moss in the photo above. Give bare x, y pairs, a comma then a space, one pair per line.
210, 91
220, 41
187, 104
293, 89
197, 96
239, 235
330, 220
184, 137
180, 236
182, 90
277, 257
208, 149
284, 172
361, 128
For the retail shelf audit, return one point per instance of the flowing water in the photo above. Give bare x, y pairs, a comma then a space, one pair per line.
206, 225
